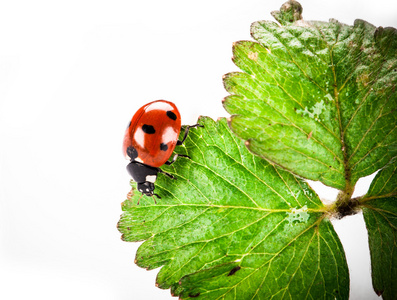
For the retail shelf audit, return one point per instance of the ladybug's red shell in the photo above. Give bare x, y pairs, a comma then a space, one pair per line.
153, 133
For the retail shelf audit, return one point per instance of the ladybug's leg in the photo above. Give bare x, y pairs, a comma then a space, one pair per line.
186, 133
174, 159
139, 199
165, 173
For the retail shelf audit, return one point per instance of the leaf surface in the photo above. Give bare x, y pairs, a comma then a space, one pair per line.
380, 214
233, 224
317, 98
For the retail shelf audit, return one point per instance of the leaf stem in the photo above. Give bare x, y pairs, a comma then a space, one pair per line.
344, 205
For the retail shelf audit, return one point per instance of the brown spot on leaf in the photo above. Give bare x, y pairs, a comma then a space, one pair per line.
253, 56
234, 270
363, 79
194, 295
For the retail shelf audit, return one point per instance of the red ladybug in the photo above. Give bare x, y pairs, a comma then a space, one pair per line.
149, 141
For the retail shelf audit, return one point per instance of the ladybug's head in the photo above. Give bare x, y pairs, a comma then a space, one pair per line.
144, 176
146, 188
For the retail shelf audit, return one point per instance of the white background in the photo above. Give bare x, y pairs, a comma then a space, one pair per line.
72, 73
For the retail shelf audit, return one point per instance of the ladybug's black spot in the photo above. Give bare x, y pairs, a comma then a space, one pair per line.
163, 147
149, 129
171, 115
234, 270
132, 153
194, 295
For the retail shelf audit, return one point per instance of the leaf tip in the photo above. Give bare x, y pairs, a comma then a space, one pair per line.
289, 12
379, 292
229, 122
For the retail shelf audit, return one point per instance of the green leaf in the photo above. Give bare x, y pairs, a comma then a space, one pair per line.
317, 98
233, 224
306, 267
385, 183
380, 214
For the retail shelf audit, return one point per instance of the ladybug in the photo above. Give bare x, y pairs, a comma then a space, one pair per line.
149, 141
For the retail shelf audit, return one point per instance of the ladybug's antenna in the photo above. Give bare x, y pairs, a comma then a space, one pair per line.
154, 198
139, 199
